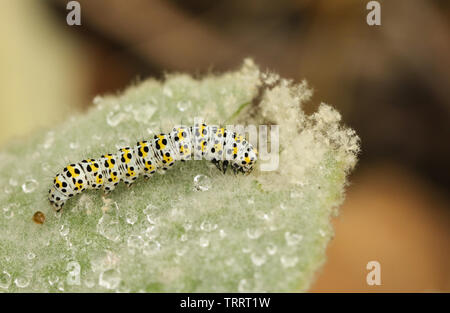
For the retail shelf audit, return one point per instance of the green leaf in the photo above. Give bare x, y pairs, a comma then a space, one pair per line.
266, 231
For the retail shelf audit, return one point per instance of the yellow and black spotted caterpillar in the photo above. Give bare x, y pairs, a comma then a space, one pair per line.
225, 148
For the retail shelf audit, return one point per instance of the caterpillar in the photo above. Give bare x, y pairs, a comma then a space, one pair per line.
224, 148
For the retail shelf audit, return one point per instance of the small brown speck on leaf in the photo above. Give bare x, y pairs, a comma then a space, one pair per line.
39, 217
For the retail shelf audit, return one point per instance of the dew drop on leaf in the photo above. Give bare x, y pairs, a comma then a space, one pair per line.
29, 185
74, 145
203, 242
64, 230
152, 212
135, 242
289, 261
254, 233
258, 259
114, 118
271, 249
184, 105
108, 226
207, 226
292, 239
151, 247
202, 183
131, 217
22, 281
5, 280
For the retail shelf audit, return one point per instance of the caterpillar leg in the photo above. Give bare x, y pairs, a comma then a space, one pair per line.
221, 165
217, 164
235, 169
128, 184
107, 191
224, 166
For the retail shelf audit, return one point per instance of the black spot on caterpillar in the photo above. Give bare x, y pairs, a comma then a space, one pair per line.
225, 149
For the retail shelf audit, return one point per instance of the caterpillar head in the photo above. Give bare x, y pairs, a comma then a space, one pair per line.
56, 198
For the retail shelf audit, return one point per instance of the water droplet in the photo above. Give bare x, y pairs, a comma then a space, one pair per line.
183, 237
108, 226
292, 239
246, 250
64, 230
250, 201
128, 107
296, 194
322, 233
288, 261
207, 226
114, 118
30, 185
244, 286
283, 206
131, 217
175, 212
152, 212
202, 183
203, 242
31, 256
184, 105
8, 211
258, 259
45, 167
84, 203
109, 279
87, 241
35, 155
48, 141
135, 242
97, 99
103, 261
151, 247
74, 145
181, 251
271, 249
167, 91
151, 130
143, 115
22, 281
254, 233
187, 225
5, 280
151, 232
222, 233
263, 216
122, 143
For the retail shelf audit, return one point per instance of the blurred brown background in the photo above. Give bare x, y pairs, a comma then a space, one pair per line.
391, 83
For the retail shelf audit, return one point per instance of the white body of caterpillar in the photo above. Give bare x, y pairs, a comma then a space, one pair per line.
225, 149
